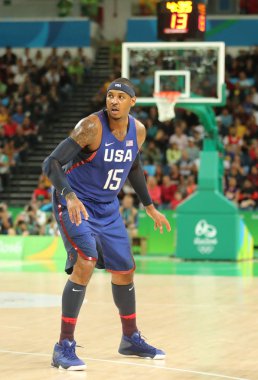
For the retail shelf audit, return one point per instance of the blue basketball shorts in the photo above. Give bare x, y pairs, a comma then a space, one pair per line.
102, 238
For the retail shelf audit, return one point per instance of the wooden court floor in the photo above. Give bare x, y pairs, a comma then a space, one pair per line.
207, 325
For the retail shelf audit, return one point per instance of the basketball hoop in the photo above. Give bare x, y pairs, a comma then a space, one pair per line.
166, 101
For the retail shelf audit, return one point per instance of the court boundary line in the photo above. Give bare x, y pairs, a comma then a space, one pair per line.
172, 369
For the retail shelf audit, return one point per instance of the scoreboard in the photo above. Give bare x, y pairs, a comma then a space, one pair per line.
181, 20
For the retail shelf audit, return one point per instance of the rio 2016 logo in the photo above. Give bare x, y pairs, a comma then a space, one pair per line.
205, 237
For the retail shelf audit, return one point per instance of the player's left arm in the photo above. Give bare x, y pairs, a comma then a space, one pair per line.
138, 182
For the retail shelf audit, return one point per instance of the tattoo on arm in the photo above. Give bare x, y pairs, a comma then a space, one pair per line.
85, 132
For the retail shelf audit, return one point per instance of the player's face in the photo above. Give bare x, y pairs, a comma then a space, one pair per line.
119, 104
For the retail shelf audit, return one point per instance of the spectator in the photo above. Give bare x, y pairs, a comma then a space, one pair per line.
161, 140
34, 218
26, 57
30, 130
152, 128
53, 58
29, 105
50, 228
253, 177
41, 193
232, 138
20, 146
168, 190
185, 164
173, 154
82, 57
18, 116
4, 169
176, 200
159, 173
115, 52
52, 76
232, 191
39, 60
9, 58
151, 153
191, 185
76, 71
252, 127
65, 83
21, 75
10, 152
254, 155
179, 138
154, 190
66, 58
10, 128
4, 115
21, 228
143, 87
254, 94
174, 175
3, 87
226, 118
11, 87
3, 138
246, 201
129, 214
6, 222
192, 150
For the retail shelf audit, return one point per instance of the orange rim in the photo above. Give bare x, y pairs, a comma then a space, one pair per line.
172, 96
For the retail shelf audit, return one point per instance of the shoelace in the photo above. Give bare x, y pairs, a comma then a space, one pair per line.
69, 351
142, 342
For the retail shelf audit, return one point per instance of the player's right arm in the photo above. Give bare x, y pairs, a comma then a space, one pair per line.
85, 134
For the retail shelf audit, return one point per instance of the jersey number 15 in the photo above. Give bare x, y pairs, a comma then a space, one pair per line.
113, 181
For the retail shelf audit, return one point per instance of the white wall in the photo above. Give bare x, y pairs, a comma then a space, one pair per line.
115, 26
34, 9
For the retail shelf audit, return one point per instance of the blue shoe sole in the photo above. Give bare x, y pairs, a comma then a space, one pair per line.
143, 355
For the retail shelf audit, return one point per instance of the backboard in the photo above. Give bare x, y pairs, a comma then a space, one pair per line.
196, 69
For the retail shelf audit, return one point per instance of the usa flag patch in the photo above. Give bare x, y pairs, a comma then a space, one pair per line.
129, 143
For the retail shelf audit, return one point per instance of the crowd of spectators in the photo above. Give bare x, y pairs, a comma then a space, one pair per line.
32, 90
171, 153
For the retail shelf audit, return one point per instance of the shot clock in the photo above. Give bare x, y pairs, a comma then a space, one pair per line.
181, 20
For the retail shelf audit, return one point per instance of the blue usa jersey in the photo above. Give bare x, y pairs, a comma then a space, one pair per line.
100, 176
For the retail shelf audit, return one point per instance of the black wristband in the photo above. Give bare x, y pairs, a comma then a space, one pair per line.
66, 190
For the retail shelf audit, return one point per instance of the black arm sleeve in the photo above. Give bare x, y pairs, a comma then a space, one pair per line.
52, 166
138, 182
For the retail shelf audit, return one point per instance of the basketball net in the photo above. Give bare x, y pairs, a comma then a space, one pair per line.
166, 101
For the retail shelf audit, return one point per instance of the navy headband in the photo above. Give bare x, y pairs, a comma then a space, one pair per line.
122, 87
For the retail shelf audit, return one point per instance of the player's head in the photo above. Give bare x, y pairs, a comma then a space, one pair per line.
120, 98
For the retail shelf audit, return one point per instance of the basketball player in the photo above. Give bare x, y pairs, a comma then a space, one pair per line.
88, 170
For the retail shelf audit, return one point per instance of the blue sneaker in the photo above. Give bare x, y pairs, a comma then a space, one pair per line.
136, 345
64, 357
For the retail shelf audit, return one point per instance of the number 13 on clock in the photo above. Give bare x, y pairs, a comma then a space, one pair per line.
181, 18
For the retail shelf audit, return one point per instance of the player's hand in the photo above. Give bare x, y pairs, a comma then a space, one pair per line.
159, 219
75, 208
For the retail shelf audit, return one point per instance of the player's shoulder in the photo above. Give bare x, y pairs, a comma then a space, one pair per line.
140, 132
86, 130
89, 122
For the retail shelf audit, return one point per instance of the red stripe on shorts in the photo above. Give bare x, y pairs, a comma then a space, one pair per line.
60, 213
